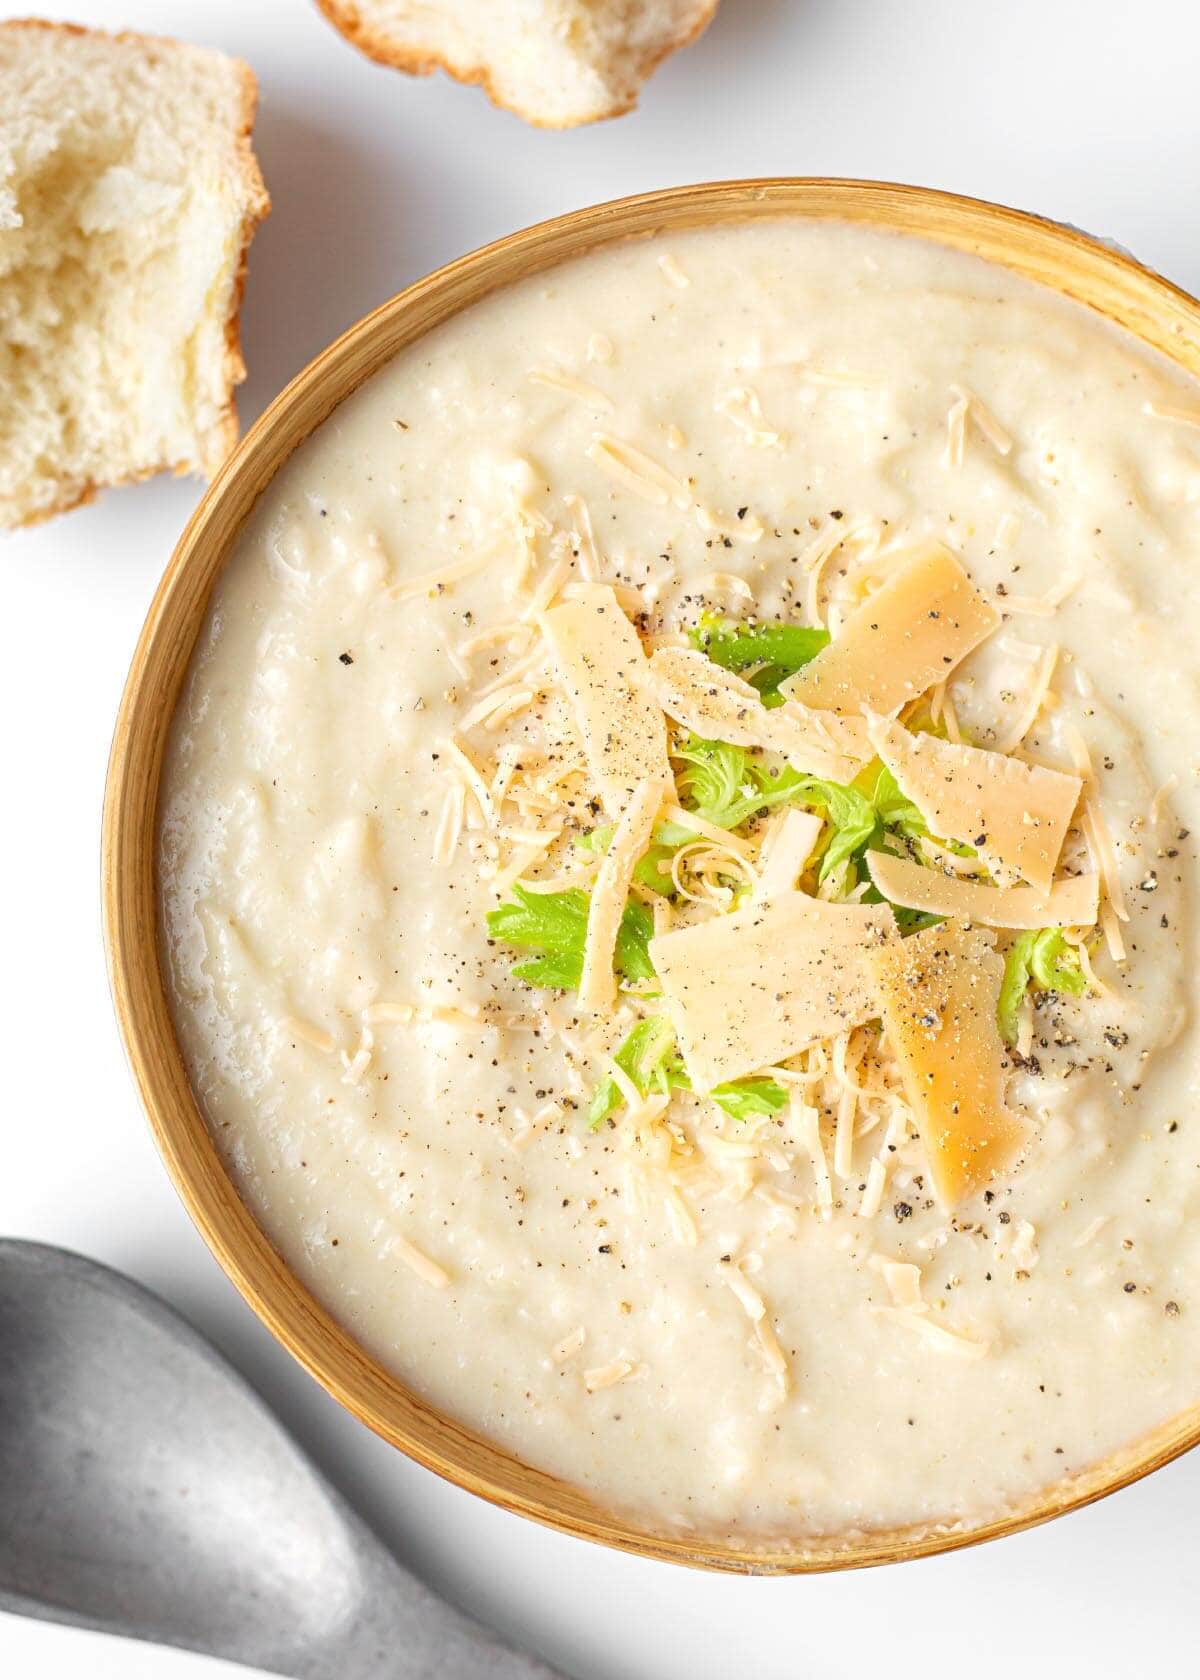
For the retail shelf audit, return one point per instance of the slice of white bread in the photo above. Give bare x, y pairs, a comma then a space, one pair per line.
128, 196
556, 63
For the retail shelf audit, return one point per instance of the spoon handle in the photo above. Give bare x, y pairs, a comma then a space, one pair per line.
400, 1630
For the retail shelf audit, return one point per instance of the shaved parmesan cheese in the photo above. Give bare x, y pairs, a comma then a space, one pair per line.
601, 665
597, 985
791, 848
753, 987
1071, 902
909, 635
937, 993
1016, 815
718, 705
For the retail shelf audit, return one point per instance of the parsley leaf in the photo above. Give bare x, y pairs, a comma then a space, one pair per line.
555, 925
1040, 955
771, 652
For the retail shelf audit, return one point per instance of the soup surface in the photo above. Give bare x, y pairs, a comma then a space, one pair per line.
824, 1164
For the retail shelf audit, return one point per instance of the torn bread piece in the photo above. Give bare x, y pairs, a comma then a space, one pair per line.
718, 705
937, 994
905, 638
1072, 902
128, 197
1015, 815
751, 988
602, 667
557, 63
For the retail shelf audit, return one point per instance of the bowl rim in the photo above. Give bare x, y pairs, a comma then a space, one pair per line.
1101, 276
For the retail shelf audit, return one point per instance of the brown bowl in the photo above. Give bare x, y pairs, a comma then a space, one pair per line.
1070, 263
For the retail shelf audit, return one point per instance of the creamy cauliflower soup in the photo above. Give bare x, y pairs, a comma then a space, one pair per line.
676, 854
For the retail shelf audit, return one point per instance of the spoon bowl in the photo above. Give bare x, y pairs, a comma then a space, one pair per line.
148, 1491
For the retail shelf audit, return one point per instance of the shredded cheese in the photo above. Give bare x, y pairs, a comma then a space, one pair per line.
597, 985
956, 432
434, 582
903, 1282
426, 1269
807, 1122
1104, 856
607, 1376
558, 380
296, 1027
1034, 698
985, 421
742, 408
1175, 412
473, 779
634, 470
743, 1291
589, 554
570, 1345
944, 1340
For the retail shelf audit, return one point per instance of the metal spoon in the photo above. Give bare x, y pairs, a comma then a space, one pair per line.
146, 1490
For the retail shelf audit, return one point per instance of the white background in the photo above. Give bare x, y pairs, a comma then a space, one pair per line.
1086, 110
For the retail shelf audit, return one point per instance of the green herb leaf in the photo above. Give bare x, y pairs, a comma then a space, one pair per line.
894, 810
1054, 964
645, 1056
555, 921
716, 781
726, 787
649, 871
555, 925
1043, 956
745, 1098
850, 815
771, 652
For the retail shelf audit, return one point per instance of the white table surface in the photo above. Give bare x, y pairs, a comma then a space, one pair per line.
1085, 110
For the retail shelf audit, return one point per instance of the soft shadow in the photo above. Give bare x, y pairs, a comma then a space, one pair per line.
740, 25
319, 1426
331, 249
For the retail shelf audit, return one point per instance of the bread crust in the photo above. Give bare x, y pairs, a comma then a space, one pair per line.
348, 21
222, 436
